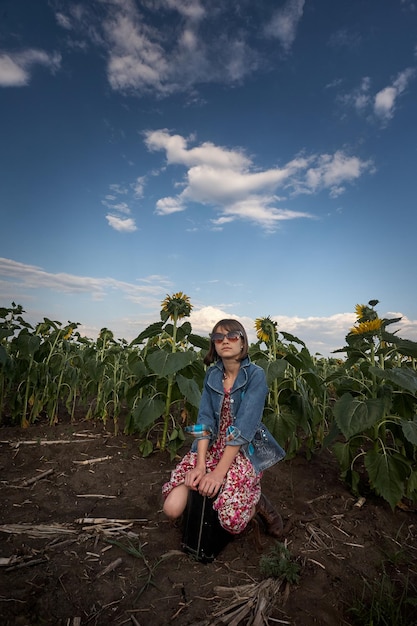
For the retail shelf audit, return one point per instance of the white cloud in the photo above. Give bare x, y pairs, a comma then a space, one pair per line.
258, 209
192, 9
117, 188
229, 182
142, 58
116, 218
202, 320
122, 207
381, 104
359, 98
405, 328
166, 206
333, 171
15, 68
32, 277
321, 335
385, 100
63, 20
283, 25
121, 224
138, 186
11, 74
207, 153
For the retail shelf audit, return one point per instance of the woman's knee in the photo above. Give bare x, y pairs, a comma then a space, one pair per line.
176, 502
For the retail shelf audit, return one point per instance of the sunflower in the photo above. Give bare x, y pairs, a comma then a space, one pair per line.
68, 333
371, 326
176, 306
266, 329
360, 310
105, 335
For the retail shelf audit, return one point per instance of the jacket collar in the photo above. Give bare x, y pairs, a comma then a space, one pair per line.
216, 378
219, 364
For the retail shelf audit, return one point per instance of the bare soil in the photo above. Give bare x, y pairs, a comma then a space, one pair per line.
86, 542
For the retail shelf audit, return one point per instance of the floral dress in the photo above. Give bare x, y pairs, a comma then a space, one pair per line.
241, 487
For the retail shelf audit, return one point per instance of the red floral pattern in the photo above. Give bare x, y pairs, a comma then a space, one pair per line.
241, 488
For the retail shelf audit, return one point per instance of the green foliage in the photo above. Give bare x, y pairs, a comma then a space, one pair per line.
364, 407
278, 563
355, 415
51, 366
385, 602
375, 412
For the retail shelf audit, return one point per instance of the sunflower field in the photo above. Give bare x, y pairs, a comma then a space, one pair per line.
361, 403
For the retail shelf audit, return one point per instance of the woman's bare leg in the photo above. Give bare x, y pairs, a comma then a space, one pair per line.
175, 502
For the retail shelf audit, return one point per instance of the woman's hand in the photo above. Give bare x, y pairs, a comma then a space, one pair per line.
210, 484
193, 477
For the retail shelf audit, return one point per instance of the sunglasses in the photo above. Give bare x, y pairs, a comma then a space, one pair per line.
232, 335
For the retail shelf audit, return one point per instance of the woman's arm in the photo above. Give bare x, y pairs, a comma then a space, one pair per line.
212, 481
194, 476
248, 416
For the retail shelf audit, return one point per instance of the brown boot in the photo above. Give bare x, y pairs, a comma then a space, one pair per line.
271, 518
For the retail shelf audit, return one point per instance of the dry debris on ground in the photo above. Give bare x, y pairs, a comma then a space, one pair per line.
84, 542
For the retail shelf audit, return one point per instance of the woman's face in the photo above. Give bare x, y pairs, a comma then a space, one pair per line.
228, 348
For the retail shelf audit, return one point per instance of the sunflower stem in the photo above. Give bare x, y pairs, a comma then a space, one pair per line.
275, 384
170, 384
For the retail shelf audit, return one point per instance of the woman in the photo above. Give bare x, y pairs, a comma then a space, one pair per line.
232, 446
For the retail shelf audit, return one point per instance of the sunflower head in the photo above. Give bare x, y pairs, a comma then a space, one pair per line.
360, 310
368, 327
176, 306
69, 330
364, 313
105, 335
266, 329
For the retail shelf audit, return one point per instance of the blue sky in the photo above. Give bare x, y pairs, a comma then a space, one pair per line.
258, 156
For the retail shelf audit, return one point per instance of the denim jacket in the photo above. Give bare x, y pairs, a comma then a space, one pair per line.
247, 401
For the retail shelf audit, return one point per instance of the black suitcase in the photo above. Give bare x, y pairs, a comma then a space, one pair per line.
203, 536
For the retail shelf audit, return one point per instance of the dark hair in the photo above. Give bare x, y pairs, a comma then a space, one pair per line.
227, 324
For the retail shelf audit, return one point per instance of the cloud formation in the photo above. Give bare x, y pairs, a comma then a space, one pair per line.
202, 41
380, 105
119, 215
386, 99
33, 277
21, 281
229, 183
283, 25
16, 67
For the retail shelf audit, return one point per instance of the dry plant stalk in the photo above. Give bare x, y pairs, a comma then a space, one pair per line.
317, 538
252, 604
110, 567
106, 520
360, 502
104, 525
106, 531
44, 442
35, 479
94, 495
37, 530
91, 461
6, 561
26, 563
